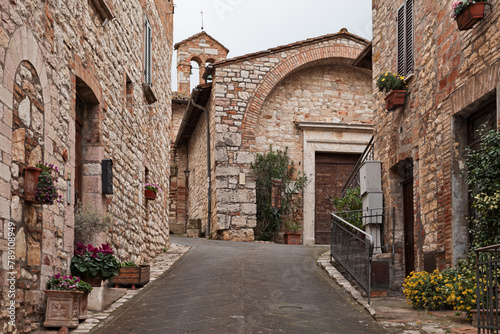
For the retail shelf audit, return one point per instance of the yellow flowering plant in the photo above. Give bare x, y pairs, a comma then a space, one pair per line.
389, 81
449, 289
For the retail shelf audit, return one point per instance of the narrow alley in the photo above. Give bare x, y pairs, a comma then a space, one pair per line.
227, 287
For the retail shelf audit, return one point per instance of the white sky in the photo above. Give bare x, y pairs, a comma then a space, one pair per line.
246, 26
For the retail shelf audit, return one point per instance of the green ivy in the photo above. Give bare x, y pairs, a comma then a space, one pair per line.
275, 165
482, 173
350, 205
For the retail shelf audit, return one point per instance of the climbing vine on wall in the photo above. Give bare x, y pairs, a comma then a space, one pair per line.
482, 172
272, 166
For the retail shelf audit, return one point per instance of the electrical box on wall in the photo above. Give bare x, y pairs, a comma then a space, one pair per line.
107, 176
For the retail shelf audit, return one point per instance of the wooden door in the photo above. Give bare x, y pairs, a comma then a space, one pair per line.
332, 171
78, 177
408, 226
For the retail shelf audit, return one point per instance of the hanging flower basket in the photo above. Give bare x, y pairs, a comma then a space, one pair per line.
470, 15
150, 194
395, 99
31, 175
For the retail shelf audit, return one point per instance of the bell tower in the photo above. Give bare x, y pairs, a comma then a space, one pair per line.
201, 49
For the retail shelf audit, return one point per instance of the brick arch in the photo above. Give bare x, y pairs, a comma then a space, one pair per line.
327, 55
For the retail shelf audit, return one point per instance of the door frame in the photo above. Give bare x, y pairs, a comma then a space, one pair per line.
327, 138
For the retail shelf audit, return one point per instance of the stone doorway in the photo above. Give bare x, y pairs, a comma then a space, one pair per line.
332, 171
409, 238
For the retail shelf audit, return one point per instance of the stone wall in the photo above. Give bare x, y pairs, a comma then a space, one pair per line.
198, 182
50, 52
240, 90
448, 63
335, 94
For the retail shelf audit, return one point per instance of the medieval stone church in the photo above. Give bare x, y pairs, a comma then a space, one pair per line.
312, 96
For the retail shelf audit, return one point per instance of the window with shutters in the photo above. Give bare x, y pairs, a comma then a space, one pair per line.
148, 57
405, 38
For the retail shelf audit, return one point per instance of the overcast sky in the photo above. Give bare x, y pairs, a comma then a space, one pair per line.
246, 26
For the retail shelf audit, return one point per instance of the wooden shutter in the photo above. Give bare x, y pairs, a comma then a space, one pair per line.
405, 38
409, 37
148, 57
401, 40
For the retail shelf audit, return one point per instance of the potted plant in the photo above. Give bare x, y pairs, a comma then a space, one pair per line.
293, 222
66, 301
40, 185
292, 237
396, 86
150, 190
132, 274
94, 264
467, 12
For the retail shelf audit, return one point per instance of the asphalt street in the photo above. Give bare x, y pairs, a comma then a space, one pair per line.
229, 287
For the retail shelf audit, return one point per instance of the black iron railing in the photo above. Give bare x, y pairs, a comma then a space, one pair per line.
353, 180
352, 248
488, 289
384, 217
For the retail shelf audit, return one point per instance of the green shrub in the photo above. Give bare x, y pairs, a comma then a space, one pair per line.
450, 289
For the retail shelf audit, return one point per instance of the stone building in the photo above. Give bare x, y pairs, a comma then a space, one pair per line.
307, 96
80, 83
453, 87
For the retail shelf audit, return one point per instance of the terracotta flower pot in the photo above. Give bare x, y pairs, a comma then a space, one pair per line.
31, 175
470, 16
93, 281
150, 194
63, 308
395, 99
292, 238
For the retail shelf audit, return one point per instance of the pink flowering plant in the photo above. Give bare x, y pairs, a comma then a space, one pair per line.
68, 283
152, 186
94, 261
459, 5
45, 191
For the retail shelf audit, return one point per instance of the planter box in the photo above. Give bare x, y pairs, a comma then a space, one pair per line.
63, 308
470, 16
31, 175
292, 238
84, 302
150, 194
132, 276
395, 99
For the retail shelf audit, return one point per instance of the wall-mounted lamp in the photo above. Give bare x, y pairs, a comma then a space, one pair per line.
186, 172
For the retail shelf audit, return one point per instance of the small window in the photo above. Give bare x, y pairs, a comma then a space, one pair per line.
148, 57
129, 93
405, 38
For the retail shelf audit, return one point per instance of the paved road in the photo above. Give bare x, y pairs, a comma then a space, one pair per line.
224, 287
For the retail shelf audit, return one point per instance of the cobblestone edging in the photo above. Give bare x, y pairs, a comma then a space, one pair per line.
159, 265
324, 262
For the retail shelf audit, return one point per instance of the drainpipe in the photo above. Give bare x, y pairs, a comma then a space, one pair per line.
209, 172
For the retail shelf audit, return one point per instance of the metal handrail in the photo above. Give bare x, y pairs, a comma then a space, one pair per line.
367, 155
385, 217
346, 254
487, 289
